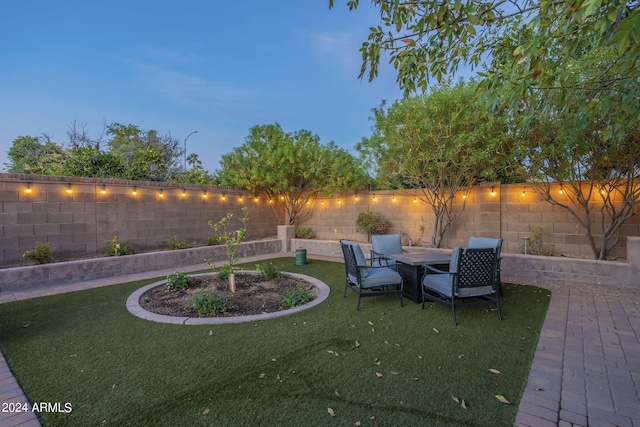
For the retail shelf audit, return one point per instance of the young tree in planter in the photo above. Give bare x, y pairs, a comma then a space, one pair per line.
289, 167
437, 145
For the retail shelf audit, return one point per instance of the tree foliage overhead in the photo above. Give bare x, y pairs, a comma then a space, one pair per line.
289, 167
438, 144
586, 51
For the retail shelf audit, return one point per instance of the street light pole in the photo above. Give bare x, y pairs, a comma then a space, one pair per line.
185, 149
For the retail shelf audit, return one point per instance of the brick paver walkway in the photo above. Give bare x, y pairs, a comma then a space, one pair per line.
585, 372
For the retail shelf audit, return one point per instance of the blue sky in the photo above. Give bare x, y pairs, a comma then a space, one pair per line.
218, 67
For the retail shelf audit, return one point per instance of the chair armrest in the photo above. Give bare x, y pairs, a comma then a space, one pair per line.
377, 256
428, 268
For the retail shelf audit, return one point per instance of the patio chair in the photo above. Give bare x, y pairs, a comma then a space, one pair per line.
368, 281
487, 242
471, 278
382, 245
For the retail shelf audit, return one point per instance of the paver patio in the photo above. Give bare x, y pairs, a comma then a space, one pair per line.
585, 372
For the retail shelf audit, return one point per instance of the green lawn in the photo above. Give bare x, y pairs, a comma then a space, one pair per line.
383, 365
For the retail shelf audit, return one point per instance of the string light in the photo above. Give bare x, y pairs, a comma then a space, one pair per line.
523, 192
493, 191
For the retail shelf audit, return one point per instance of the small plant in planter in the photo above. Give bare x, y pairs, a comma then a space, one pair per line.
208, 304
177, 281
117, 249
304, 233
232, 240
267, 270
297, 297
42, 253
174, 243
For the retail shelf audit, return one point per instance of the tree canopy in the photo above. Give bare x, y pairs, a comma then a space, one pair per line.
437, 145
292, 167
122, 152
582, 52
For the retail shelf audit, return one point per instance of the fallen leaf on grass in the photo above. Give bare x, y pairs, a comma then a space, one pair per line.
331, 412
379, 375
357, 344
210, 332
371, 323
502, 399
494, 371
261, 376
461, 402
205, 412
436, 331
337, 393
377, 361
357, 424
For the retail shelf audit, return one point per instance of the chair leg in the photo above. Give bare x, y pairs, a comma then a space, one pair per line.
358, 306
453, 310
498, 304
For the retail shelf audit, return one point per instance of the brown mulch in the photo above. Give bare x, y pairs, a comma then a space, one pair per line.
253, 295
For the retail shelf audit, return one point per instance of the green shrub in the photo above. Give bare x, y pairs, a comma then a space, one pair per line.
215, 240
208, 304
117, 249
297, 297
177, 281
225, 271
174, 243
304, 233
372, 222
267, 270
42, 253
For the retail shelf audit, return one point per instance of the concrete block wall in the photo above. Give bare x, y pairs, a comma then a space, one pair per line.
507, 211
84, 220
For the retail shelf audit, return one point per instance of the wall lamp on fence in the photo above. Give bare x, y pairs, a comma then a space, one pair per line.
493, 191
356, 197
223, 197
184, 193
69, 189
415, 199
28, 189
103, 190
524, 192
135, 191
375, 198
393, 199
204, 195
161, 194
561, 191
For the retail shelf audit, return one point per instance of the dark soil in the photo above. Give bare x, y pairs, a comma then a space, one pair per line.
253, 295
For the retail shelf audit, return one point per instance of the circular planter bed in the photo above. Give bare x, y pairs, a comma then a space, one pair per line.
255, 297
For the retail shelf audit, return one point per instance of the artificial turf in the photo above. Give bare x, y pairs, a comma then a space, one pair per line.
384, 365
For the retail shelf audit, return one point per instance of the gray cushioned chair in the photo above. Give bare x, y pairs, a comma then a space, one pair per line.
382, 245
487, 242
471, 280
365, 280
